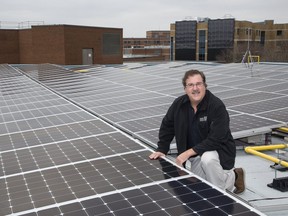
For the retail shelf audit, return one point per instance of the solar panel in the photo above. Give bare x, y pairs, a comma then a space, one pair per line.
218, 89
279, 114
135, 104
274, 88
124, 188
262, 106
248, 98
59, 155
241, 125
258, 84
141, 124
231, 93
283, 92
159, 199
64, 152
136, 113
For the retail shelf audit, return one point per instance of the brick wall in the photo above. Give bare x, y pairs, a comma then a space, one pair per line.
48, 44
9, 46
78, 38
57, 44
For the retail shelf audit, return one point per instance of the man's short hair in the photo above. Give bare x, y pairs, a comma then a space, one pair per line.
192, 73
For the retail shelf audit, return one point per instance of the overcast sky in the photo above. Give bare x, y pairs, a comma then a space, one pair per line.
138, 16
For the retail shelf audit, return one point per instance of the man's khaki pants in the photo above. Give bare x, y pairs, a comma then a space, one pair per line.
208, 167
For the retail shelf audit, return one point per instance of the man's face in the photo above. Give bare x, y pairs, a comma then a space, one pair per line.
195, 89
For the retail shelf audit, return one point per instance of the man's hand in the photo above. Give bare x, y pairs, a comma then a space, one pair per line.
183, 157
156, 155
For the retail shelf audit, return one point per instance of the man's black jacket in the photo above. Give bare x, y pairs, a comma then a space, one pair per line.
213, 120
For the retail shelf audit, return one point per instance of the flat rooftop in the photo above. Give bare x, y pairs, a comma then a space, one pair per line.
59, 123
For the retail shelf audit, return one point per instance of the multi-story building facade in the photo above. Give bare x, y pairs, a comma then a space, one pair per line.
153, 38
155, 46
208, 40
226, 40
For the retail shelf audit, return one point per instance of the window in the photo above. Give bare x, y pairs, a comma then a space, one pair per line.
262, 37
185, 34
202, 45
221, 33
238, 31
279, 32
248, 31
111, 44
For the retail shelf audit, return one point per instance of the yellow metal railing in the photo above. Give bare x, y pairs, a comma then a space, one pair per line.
250, 58
283, 129
255, 150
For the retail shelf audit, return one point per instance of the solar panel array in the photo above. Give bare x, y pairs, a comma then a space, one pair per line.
59, 155
135, 96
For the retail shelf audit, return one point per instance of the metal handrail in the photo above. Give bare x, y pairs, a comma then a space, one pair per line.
255, 151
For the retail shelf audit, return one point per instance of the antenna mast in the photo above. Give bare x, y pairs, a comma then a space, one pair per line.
247, 55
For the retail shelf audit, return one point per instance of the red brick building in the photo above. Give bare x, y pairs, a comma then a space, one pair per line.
62, 44
154, 47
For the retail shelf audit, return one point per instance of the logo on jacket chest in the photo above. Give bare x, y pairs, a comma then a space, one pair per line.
203, 119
